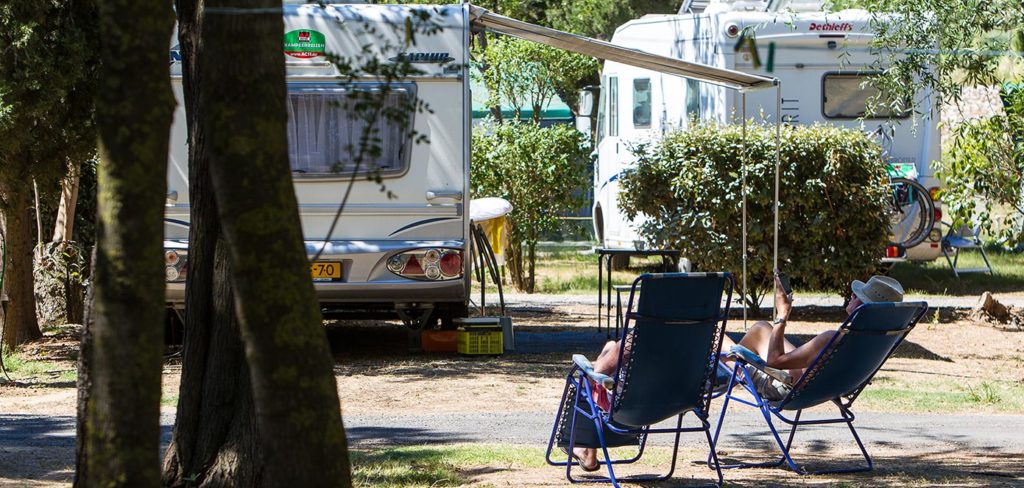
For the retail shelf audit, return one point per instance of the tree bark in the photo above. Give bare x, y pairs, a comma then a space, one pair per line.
17, 224
215, 440
134, 107
64, 227
83, 383
290, 365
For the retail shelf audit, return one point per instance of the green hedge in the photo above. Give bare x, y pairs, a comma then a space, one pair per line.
541, 171
833, 214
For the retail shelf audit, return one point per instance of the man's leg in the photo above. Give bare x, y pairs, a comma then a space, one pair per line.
757, 339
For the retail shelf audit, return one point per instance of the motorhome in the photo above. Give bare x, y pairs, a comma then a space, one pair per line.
821, 58
408, 254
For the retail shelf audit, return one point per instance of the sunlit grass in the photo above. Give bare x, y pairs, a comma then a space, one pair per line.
573, 270
422, 466
21, 367
893, 393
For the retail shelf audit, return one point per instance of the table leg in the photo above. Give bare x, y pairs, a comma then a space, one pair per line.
600, 283
618, 313
607, 318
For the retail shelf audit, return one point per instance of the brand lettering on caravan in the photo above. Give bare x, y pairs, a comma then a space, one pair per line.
829, 27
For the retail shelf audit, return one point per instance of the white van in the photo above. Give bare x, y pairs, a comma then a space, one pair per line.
407, 254
819, 58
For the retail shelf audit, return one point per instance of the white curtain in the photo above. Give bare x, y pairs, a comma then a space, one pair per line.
324, 129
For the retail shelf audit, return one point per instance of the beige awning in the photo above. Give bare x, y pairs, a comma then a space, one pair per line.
485, 19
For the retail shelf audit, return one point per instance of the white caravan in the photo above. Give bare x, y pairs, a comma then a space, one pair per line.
819, 58
407, 254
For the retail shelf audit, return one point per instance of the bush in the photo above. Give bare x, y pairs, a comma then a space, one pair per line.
540, 171
833, 212
983, 171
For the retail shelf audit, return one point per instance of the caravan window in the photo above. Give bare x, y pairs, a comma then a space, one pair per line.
613, 106
846, 96
642, 103
325, 124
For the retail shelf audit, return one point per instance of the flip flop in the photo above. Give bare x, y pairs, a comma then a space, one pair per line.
580, 461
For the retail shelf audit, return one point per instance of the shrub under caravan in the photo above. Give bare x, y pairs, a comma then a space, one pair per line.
834, 201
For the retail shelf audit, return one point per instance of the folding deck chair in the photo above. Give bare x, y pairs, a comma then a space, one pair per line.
838, 374
667, 367
958, 240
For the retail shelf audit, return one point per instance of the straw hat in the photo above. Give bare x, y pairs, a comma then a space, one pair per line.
878, 289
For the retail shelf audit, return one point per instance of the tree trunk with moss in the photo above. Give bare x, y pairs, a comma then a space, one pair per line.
290, 365
17, 225
134, 107
215, 440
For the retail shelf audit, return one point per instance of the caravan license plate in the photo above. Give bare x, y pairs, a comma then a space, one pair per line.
326, 270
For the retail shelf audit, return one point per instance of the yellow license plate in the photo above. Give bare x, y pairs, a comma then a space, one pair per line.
326, 270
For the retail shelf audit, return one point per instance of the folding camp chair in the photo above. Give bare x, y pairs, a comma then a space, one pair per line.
667, 363
838, 374
958, 240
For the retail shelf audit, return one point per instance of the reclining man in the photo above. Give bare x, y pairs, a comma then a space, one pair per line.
765, 339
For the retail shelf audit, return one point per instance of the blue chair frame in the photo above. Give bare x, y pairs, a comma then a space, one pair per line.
838, 374
662, 376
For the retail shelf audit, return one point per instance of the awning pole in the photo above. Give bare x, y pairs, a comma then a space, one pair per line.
778, 164
743, 192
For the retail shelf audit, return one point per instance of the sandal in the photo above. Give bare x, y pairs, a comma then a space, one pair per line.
579, 460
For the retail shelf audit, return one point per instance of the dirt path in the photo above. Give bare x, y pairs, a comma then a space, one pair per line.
950, 401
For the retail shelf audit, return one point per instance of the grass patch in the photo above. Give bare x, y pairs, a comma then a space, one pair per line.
421, 466
935, 278
21, 367
573, 270
169, 400
942, 396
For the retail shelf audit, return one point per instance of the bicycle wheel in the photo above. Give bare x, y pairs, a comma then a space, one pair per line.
913, 213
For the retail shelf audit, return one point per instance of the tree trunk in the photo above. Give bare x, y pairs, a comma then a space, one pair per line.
83, 383
531, 262
17, 224
134, 107
65, 225
215, 440
289, 360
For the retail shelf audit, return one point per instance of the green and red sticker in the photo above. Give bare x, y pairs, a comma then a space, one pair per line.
304, 43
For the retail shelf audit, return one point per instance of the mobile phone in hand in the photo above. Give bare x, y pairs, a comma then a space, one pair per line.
786, 288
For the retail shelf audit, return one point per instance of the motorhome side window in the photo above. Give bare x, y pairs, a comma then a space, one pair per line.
692, 100
325, 125
613, 106
642, 103
601, 110
846, 96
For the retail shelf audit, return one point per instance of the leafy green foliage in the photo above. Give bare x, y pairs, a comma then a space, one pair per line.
938, 46
528, 74
47, 76
833, 213
540, 171
983, 172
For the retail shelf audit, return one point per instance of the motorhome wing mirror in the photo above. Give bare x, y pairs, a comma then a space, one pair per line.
586, 103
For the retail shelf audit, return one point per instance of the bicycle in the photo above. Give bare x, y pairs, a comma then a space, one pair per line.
913, 211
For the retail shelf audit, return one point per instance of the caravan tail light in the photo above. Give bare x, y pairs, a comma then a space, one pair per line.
432, 264
938, 215
175, 265
893, 252
934, 192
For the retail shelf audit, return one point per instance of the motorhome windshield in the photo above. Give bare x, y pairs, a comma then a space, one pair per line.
326, 124
848, 95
